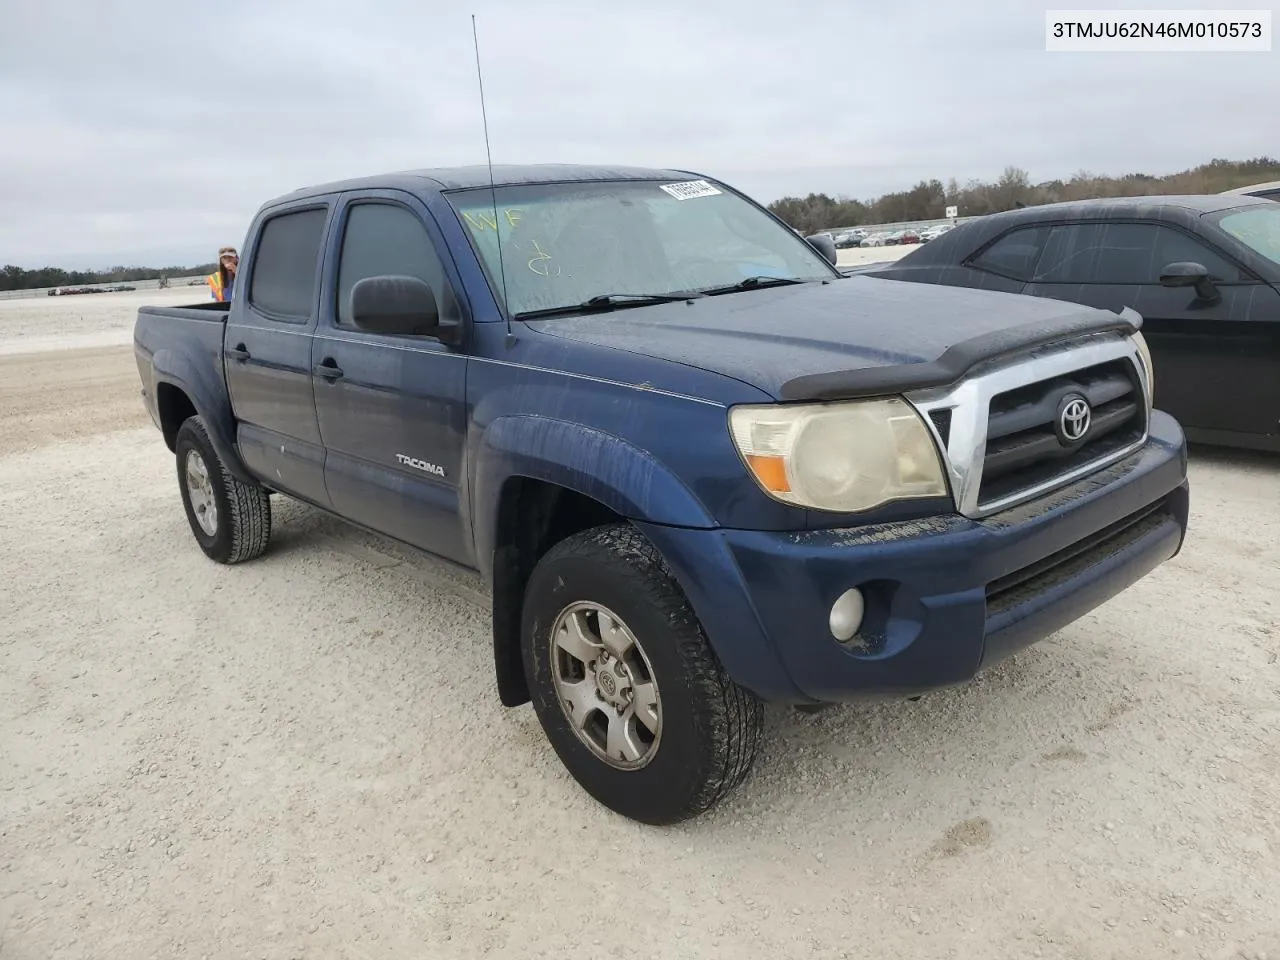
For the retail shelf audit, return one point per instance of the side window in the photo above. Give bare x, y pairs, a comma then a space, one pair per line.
284, 264
1123, 253
1174, 245
385, 238
1013, 255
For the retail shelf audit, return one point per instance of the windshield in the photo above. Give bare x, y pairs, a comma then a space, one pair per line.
564, 243
1258, 228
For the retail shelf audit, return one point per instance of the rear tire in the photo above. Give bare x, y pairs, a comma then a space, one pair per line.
665, 733
230, 519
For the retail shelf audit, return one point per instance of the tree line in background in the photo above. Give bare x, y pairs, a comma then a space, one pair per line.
929, 199
15, 278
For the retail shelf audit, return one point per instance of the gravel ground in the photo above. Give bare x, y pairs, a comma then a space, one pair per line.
305, 756
37, 324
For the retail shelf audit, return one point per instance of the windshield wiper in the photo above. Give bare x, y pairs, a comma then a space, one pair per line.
751, 283
609, 301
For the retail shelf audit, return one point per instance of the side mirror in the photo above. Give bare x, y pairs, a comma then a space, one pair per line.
825, 246
396, 305
1185, 273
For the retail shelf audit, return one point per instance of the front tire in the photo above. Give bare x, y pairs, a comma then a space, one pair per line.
231, 520
626, 686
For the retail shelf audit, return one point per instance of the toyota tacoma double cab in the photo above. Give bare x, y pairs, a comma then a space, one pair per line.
700, 469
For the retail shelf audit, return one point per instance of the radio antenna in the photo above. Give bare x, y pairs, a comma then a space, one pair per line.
493, 193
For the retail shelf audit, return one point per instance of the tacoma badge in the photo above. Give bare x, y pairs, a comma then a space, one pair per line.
420, 465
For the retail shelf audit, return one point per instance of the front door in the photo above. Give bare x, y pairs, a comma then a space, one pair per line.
267, 353
1210, 361
392, 409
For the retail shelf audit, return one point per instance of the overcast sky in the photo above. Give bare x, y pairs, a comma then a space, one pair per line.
141, 131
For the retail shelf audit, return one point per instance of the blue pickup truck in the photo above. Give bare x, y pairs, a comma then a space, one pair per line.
700, 468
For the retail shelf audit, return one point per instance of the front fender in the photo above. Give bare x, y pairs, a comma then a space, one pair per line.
208, 394
618, 474
633, 484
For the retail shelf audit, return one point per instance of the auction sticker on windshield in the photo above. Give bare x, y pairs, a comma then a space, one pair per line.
690, 189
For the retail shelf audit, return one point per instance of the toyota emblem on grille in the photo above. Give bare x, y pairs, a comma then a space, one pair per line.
1074, 418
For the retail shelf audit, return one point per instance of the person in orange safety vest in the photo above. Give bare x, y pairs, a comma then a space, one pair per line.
222, 281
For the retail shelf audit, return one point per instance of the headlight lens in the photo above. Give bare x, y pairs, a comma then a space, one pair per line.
844, 457
1144, 353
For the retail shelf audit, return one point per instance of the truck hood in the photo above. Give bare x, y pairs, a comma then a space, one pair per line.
856, 336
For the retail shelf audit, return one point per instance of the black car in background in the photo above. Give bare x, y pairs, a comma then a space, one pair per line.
1203, 271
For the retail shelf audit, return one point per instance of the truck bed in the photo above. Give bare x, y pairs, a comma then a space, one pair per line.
182, 346
165, 328
212, 310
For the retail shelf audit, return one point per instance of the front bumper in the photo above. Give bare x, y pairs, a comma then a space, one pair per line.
946, 597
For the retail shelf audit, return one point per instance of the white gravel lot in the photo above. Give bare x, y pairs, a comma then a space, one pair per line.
38, 324
305, 756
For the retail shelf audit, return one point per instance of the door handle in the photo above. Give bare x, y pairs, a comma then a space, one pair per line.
238, 353
328, 369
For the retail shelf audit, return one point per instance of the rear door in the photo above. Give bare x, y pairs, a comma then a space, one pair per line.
1210, 361
392, 409
267, 351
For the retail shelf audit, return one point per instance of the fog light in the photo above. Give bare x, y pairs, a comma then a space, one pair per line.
846, 614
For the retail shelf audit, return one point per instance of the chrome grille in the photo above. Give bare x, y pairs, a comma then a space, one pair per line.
1024, 448
997, 431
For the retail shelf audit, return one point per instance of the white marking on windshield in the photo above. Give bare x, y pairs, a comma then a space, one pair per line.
690, 189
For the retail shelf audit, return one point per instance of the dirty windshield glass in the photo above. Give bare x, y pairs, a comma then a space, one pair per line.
1257, 228
563, 244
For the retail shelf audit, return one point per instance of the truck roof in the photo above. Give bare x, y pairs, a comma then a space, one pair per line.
435, 179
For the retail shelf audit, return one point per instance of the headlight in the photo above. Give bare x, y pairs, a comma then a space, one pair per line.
845, 457
1144, 353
